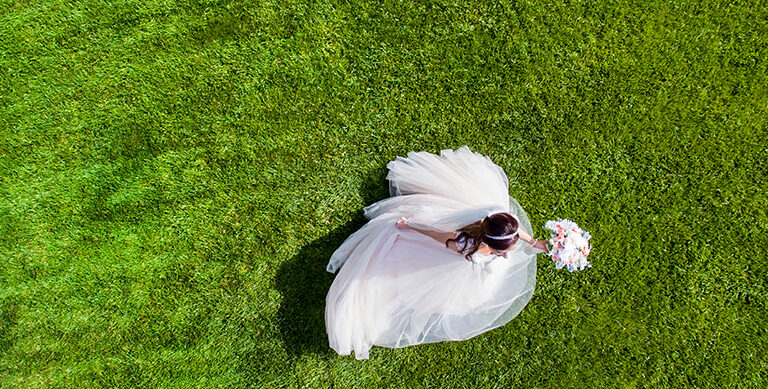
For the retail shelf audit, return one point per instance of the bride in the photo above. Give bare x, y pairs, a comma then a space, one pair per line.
447, 257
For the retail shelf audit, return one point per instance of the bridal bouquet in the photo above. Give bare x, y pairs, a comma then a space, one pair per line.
569, 244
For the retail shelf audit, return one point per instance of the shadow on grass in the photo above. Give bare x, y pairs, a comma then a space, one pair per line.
304, 282
8, 321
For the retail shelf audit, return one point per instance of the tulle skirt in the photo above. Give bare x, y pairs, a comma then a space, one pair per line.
397, 288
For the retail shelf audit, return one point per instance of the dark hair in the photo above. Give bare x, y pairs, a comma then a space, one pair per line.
473, 235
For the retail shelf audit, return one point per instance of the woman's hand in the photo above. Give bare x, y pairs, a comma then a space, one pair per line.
402, 224
542, 245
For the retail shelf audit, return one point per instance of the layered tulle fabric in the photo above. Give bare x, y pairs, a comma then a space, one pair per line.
397, 288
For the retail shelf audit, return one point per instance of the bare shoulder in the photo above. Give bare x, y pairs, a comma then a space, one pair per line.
484, 249
452, 245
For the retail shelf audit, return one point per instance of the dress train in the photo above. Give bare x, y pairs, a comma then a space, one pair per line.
397, 288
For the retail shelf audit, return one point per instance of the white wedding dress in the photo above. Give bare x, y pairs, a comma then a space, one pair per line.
397, 287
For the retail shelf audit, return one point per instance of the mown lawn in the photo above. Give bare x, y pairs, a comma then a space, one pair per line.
174, 176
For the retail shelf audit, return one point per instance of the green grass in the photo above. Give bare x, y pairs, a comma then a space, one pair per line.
175, 174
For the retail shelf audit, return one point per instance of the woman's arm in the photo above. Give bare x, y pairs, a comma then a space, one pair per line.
441, 237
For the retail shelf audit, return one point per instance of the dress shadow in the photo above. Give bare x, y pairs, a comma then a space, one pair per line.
303, 281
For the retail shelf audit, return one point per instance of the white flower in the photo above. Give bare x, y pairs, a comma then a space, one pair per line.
573, 247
